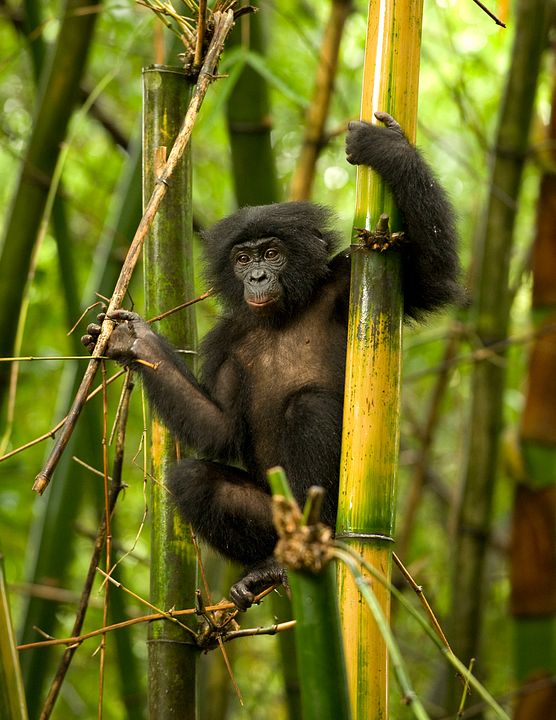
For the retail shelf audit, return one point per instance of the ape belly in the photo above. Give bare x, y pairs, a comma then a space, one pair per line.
294, 405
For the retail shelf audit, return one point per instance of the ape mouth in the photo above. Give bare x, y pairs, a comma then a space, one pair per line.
261, 304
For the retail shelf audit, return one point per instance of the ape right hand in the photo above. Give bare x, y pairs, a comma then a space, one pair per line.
128, 336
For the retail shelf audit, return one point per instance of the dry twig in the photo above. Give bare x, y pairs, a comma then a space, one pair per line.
222, 25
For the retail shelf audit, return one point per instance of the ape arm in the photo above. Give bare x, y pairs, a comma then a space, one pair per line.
430, 261
193, 415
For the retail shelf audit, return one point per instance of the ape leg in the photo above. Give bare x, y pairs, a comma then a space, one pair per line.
233, 515
225, 508
310, 440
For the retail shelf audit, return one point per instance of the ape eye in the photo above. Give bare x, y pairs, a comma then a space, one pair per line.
243, 259
271, 254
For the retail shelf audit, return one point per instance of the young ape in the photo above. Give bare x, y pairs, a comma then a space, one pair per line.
272, 385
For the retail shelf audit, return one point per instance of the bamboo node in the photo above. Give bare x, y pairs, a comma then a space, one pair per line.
300, 547
379, 239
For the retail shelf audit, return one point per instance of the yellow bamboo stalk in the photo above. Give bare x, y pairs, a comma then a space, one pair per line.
371, 410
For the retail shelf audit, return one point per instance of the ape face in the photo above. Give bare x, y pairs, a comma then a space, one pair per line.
258, 265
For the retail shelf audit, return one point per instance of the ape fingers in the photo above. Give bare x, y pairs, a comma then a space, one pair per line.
89, 342
389, 121
90, 339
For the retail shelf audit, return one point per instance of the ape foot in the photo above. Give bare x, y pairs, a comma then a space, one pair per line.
257, 579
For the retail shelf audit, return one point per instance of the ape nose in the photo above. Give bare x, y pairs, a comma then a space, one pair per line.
258, 275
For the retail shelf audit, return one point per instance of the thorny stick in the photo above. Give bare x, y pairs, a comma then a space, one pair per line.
167, 615
223, 24
204, 296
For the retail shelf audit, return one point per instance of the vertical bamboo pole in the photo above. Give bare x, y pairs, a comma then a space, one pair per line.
249, 119
490, 321
371, 408
168, 280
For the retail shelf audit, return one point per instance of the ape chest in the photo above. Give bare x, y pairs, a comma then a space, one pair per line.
278, 365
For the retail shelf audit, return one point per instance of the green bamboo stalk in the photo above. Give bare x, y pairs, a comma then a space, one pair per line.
12, 696
372, 398
250, 122
32, 21
318, 639
54, 109
362, 582
490, 321
168, 265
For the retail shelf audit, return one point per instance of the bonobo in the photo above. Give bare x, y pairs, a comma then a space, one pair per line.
272, 383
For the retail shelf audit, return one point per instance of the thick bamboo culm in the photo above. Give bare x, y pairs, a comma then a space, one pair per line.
168, 277
371, 406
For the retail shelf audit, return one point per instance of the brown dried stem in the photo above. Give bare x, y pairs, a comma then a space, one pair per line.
223, 24
489, 13
418, 590
184, 305
75, 640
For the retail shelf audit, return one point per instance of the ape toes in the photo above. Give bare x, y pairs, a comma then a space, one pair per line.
261, 576
241, 596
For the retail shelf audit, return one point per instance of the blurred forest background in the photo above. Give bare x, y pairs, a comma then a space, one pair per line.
448, 524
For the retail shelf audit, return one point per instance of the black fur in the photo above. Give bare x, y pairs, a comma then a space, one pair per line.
271, 390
